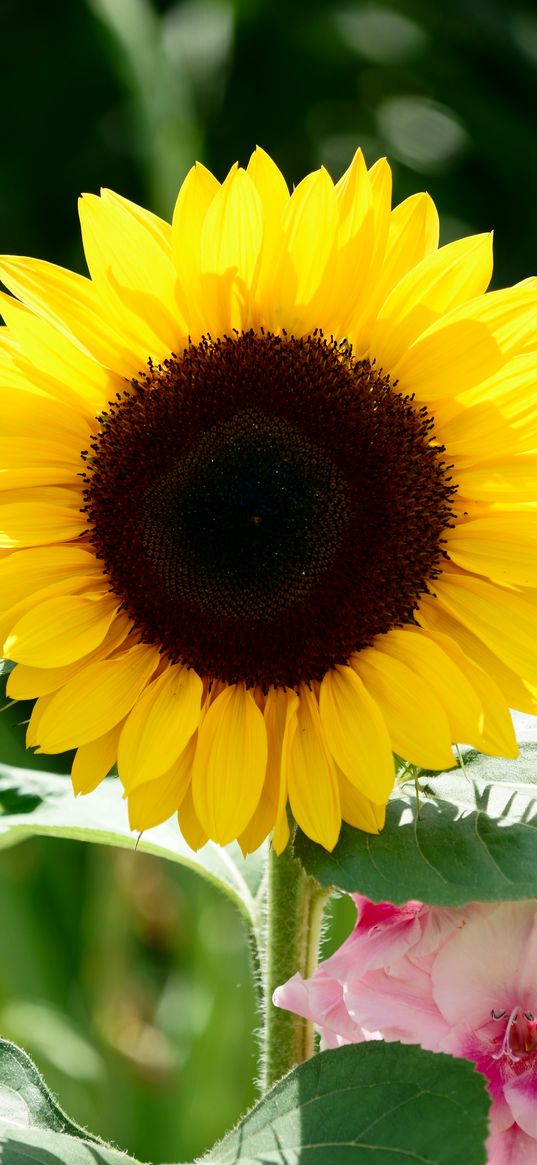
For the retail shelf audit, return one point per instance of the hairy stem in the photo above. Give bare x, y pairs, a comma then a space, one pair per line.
294, 912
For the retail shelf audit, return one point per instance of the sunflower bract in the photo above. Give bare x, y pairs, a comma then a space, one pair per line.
268, 501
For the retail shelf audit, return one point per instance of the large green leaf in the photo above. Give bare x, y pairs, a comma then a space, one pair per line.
34, 1147
34, 1128
43, 803
366, 1104
380, 1104
25, 1100
472, 836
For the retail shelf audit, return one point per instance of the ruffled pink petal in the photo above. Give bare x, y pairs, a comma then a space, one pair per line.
397, 1003
382, 935
511, 1147
320, 999
521, 1096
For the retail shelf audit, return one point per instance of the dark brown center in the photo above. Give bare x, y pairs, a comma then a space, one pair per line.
266, 506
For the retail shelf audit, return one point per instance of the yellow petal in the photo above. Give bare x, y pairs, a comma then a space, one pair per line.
193, 201
353, 193
501, 618
189, 824
158, 228
272, 261
478, 432
516, 691
412, 236
29, 523
66, 586
159, 726
269, 183
93, 702
469, 344
444, 279
232, 230
358, 329
51, 360
15, 478
460, 701
156, 800
93, 761
26, 571
311, 214
358, 810
61, 630
49, 420
509, 479
496, 734
500, 547
341, 295
230, 763
230, 242
417, 723
25, 683
380, 181
271, 810
70, 303
512, 390
134, 275
42, 462
311, 776
356, 734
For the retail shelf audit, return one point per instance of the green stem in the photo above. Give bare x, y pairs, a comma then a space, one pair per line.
295, 905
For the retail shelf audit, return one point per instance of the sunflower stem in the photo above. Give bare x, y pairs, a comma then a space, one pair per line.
295, 904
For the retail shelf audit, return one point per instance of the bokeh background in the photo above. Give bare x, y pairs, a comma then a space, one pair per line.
128, 980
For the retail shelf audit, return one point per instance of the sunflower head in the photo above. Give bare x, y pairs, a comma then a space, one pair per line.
267, 510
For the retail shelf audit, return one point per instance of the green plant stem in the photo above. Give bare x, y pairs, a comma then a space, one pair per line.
294, 912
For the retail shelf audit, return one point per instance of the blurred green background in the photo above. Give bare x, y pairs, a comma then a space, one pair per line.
126, 979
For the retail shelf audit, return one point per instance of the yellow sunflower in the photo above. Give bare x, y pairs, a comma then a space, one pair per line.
267, 518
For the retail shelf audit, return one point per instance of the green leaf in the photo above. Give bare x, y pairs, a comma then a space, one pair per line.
366, 1104
33, 1147
25, 1099
473, 837
33, 1127
383, 1104
42, 803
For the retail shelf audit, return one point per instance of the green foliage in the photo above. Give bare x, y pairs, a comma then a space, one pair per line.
43, 804
25, 1099
469, 835
380, 1104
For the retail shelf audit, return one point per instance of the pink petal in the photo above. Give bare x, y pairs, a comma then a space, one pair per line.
511, 1147
521, 1096
399, 1004
320, 999
488, 964
382, 935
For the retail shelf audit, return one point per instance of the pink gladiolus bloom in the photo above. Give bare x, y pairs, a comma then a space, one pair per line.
459, 981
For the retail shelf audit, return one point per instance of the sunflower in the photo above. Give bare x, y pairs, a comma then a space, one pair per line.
266, 501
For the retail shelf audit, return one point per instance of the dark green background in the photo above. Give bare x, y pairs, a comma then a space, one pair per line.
128, 981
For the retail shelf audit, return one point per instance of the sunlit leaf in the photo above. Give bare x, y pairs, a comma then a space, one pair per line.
44, 804
374, 1103
471, 836
383, 1104
25, 1100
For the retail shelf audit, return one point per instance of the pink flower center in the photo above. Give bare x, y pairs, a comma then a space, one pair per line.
520, 1035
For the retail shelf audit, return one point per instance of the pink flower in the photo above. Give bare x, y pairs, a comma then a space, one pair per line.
459, 981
